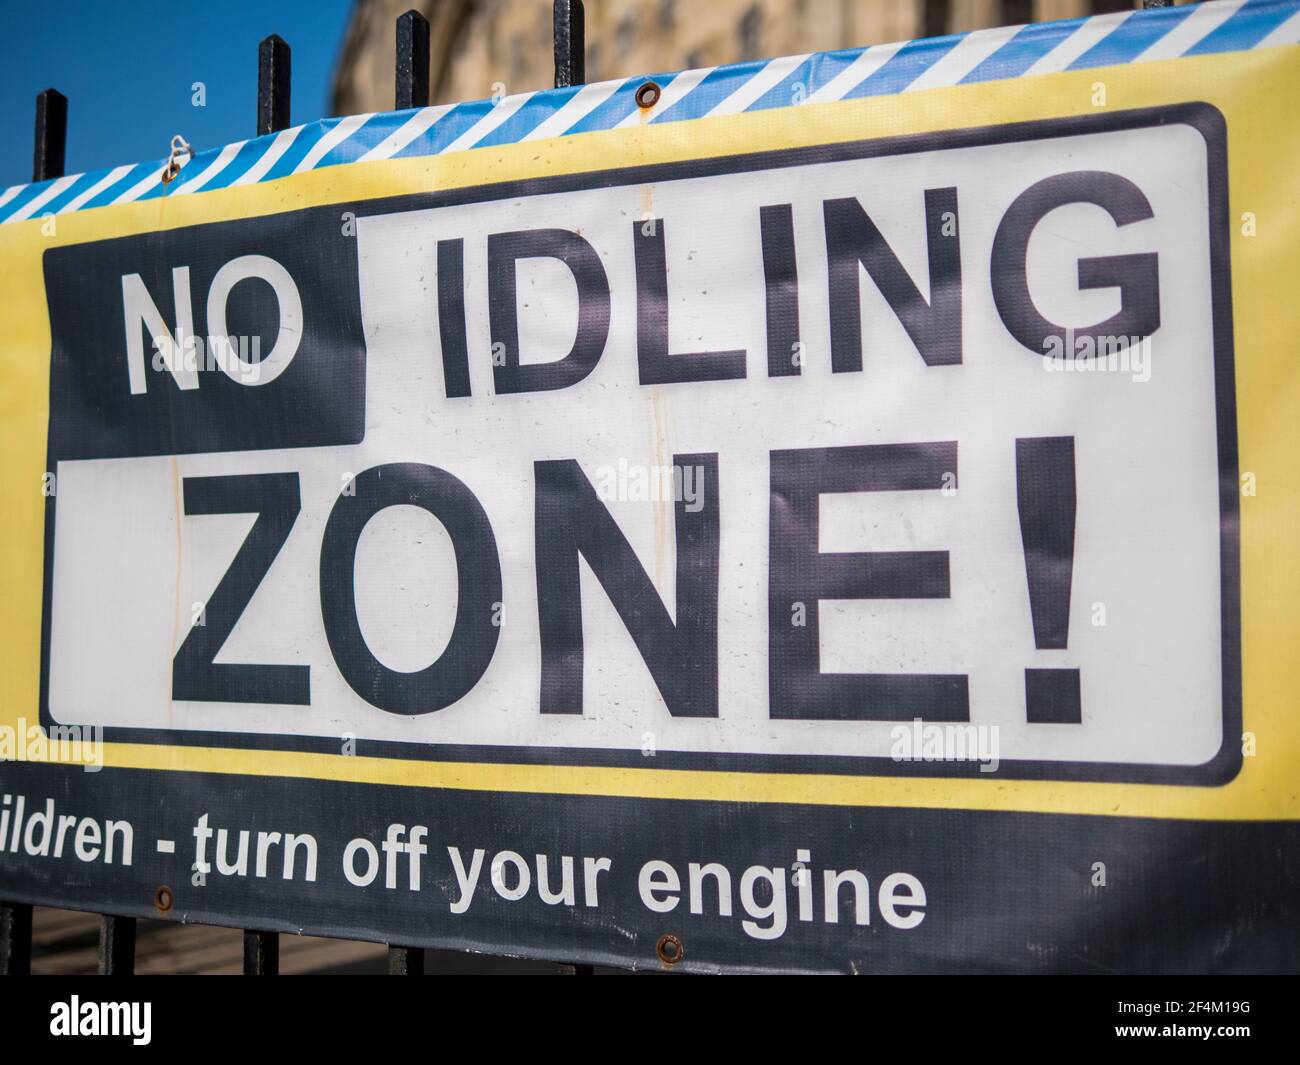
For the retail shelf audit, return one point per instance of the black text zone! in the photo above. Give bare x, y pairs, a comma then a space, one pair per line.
572, 521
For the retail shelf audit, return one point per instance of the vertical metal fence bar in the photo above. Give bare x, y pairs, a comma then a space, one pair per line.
1010, 13
15, 939
116, 945
262, 949
412, 90
261, 953
273, 66
51, 135
570, 69
48, 161
935, 16
405, 961
412, 62
570, 47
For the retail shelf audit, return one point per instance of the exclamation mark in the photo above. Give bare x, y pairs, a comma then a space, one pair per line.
1046, 498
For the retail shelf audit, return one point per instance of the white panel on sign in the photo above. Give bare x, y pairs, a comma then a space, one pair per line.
1143, 629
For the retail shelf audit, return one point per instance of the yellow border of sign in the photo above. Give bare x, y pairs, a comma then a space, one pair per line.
1249, 88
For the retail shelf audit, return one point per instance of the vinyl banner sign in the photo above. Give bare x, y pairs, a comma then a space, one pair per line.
843, 534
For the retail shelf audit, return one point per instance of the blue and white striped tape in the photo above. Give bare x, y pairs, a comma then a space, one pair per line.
984, 55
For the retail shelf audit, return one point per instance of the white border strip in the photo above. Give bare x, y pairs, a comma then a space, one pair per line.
142, 186
1287, 33
575, 109
37, 202
404, 134
1093, 31
223, 160
283, 140
107, 181
1204, 20
341, 131
759, 85
856, 73
500, 114
965, 56
674, 91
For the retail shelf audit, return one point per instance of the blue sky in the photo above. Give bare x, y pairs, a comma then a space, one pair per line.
127, 69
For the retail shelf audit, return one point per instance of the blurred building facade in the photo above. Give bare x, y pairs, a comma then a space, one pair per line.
484, 47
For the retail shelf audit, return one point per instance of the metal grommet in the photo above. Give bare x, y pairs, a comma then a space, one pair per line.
162, 899
180, 148
669, 949
647, 96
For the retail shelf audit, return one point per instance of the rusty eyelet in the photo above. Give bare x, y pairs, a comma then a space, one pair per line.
647, 96
180, 149
669, 949
162, 899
